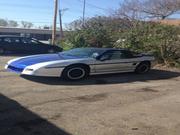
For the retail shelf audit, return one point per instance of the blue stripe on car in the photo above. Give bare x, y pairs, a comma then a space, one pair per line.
15, 69
21, 64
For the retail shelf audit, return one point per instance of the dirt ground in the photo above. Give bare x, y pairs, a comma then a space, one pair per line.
119, 104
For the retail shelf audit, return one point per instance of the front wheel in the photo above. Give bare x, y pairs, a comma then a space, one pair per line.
75, 73
143, 67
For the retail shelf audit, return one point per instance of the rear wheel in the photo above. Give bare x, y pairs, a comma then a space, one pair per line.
143, 67
75, 73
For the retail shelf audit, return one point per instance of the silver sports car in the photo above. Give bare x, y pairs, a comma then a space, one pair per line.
79, 63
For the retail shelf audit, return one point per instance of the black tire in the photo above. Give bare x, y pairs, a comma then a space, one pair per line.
75, 72
143, 68
2, 51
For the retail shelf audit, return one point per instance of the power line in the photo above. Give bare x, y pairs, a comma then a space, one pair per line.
94, 6
80, 11
44, 8
47, 7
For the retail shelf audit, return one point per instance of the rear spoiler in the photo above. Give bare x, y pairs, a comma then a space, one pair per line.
144, 54
147, 54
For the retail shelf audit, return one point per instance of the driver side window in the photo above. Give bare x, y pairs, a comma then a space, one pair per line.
29, 41
34, 41
116, 55
111, 55
26, 41
12, 40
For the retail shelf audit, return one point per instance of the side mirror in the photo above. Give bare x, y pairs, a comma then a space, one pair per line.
95, 55
104, 57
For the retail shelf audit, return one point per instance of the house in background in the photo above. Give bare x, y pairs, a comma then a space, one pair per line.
40, 34
175, 22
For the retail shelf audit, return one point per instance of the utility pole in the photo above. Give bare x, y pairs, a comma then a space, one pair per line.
60, 20
84, 10
54, 22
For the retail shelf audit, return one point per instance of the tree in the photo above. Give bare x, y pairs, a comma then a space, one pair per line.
138, 12
3, 22
160, 9
26, 24
97, 31
12, 23
142, 9
161, 40
129, 9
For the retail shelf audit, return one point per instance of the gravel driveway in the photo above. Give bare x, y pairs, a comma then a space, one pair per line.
119, 104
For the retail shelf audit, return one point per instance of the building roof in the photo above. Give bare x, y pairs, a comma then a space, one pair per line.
26, 31
175, 22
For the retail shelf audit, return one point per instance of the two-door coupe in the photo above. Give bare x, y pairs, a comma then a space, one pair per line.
79, 63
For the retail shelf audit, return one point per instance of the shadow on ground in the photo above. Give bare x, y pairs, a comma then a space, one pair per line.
17, 120
108, 78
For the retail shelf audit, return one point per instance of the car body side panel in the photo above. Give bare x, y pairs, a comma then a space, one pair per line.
115, 65
122, 65
54, 68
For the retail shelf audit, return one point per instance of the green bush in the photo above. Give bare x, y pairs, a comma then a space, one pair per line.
161, 40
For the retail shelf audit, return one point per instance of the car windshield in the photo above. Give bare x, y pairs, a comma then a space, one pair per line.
83, 52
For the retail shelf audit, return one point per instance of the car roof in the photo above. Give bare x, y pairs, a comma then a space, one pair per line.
9, 36
107, 49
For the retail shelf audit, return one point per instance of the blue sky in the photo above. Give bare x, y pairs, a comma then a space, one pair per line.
40, 12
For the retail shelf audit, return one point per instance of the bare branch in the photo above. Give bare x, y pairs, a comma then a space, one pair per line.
142, 9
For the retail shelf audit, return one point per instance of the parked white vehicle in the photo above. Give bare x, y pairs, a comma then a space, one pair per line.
79, 63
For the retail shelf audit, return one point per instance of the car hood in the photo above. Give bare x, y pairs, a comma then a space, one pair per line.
23, 62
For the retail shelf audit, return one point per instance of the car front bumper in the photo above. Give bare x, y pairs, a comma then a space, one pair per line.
46, 72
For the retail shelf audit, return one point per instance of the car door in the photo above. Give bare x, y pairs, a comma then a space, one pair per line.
115, 61
37, 47
43, 48
12, 44
30, 46
26, 45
